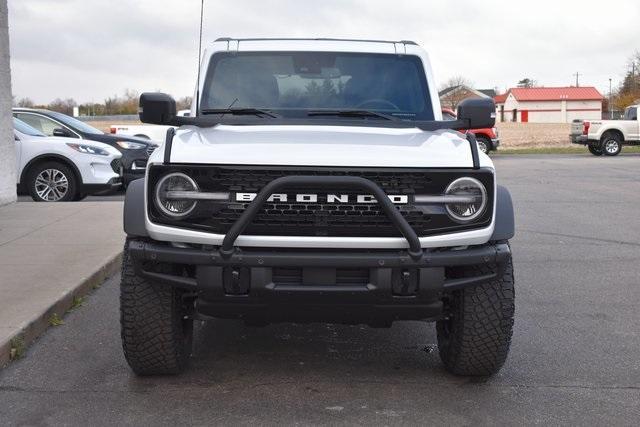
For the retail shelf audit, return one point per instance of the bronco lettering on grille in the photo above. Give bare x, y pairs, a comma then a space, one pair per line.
331, 198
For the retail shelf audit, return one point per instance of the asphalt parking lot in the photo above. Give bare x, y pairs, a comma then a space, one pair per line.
574, 357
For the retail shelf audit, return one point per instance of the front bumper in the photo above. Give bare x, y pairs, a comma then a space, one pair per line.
112, 185
495, 142
374, 287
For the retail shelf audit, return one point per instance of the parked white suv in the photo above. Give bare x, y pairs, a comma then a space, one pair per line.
608, 136
56, 169
316, 181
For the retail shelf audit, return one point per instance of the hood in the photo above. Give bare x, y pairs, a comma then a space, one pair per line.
111, 139
59, 141
316, 145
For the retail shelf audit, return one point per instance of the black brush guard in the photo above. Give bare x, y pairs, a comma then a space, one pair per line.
234, 282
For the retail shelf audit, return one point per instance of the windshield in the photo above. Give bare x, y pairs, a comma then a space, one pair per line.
24, 128
75, 123
294, 83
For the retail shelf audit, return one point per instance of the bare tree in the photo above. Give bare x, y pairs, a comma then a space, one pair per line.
64, 106
24, 103
456, 81
184, 103
454, 91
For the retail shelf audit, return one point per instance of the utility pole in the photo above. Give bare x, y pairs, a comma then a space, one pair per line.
610, 110
577, 74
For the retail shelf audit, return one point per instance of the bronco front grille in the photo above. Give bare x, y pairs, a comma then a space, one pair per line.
320, 218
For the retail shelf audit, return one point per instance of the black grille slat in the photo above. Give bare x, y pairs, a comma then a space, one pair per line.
116, 165
321, 218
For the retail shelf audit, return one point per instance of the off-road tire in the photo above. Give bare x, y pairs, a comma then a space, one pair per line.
596, 150
611, 138
474, 340
156, 335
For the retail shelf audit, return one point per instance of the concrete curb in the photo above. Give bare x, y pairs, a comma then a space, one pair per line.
40, 321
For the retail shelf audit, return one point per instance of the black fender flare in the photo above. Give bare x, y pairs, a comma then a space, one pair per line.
505, 226
134, 213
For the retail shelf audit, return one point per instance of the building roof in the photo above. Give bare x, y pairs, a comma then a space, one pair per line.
571, 93
452, 89
489, 92
500, 99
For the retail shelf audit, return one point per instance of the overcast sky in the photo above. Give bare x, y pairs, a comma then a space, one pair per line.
91, 49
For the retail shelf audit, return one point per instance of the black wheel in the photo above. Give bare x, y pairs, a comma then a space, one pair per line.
611, 144
474, 339
596, 150
156, 326
52, 182
484, 144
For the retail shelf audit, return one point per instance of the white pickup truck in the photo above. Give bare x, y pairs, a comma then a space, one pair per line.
153, 132
608, 136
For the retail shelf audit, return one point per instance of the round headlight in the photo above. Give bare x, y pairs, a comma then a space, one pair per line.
474, 191
175, 207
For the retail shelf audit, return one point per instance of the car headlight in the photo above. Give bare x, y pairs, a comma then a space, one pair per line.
128, 145
88, 149
175, 182
470, 187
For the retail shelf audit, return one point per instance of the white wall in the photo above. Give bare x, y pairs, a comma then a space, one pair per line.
552, 111
7, 145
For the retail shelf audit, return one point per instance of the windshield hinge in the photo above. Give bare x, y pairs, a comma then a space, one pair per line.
400, 48
233, 45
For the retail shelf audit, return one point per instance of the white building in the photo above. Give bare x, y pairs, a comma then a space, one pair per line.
549, 104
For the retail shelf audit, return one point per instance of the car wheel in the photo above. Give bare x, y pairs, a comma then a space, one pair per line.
484, 144
156, 325
52, 182
474, 338
596, 150
611, 144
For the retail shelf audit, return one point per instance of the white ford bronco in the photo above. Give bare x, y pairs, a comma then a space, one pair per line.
315, 181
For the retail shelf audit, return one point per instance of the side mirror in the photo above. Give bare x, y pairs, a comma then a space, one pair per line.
61, 132
477, 113
157, 108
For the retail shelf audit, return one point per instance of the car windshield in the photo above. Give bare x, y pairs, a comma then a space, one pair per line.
293, 84
75, 123
24, 128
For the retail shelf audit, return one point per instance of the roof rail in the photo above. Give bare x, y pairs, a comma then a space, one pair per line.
226, 39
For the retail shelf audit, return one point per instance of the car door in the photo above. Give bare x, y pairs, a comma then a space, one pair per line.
45, 124
632, 127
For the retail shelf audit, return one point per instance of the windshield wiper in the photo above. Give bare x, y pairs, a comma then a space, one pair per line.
352, 113
240, 112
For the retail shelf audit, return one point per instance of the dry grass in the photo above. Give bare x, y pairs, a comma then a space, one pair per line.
513, 136
534, 135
